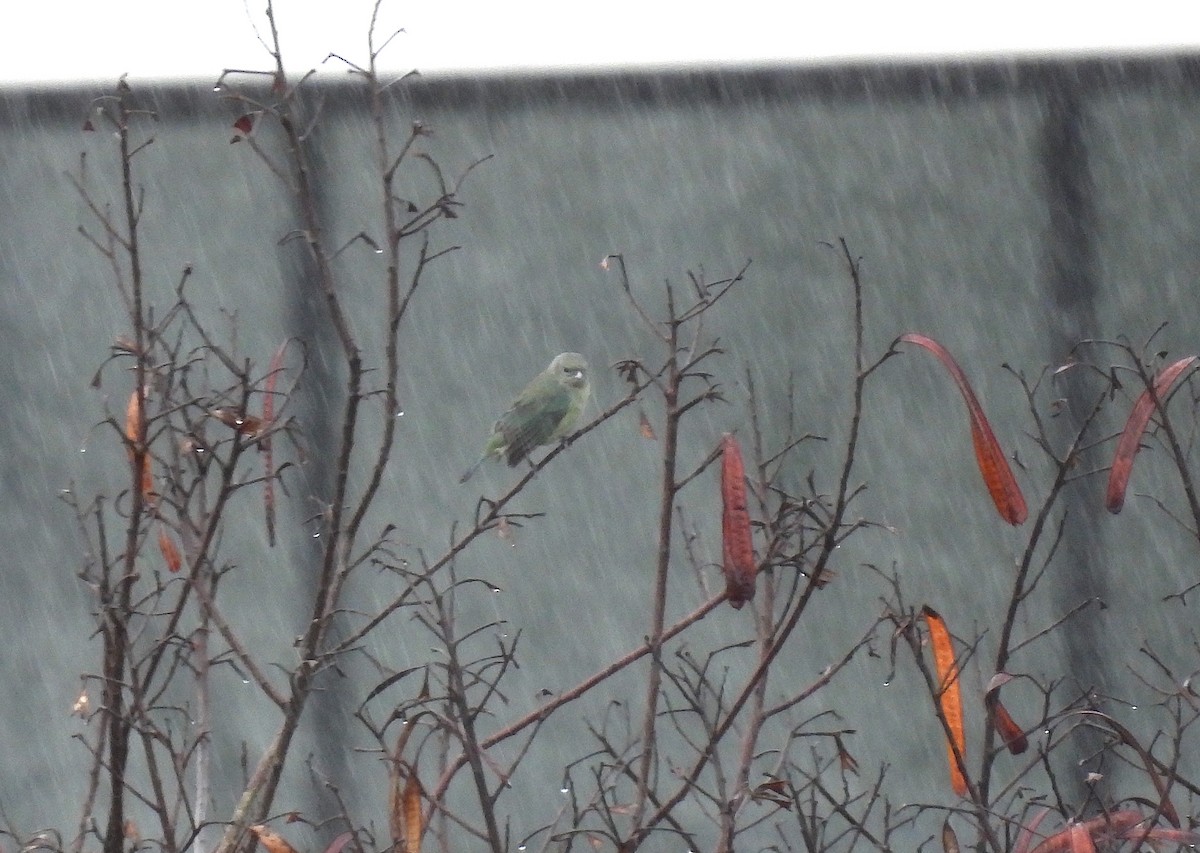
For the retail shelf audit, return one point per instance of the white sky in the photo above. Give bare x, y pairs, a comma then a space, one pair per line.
156, 39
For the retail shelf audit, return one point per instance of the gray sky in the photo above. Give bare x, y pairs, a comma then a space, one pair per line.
152, 39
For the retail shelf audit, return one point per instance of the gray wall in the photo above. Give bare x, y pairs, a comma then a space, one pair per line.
1004, 209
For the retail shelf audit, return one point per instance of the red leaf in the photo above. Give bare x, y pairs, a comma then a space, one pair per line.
244, 124
340, 842
993, 466
1081, 840
949, 696
1028, 830
88, 126
1131, 436
736, 539
1013, 735
169, 551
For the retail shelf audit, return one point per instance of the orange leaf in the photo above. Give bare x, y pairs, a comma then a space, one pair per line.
404, 813
1013, 735
645, 427
404, 807
273, 841
133, 420
949, 696
1131, 436
412, 815
135, 431
169, 551
993, 466
736, 541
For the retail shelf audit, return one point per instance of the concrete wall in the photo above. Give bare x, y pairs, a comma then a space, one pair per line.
1005, 209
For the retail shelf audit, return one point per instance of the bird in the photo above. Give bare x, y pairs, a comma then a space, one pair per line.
542, 413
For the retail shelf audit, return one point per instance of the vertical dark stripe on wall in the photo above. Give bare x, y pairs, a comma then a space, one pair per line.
1071, 281
319, 397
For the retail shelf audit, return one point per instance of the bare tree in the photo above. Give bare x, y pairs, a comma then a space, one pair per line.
714, 750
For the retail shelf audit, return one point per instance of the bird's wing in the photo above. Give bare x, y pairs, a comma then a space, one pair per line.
532, 421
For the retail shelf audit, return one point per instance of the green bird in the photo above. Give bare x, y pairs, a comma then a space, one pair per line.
542, 413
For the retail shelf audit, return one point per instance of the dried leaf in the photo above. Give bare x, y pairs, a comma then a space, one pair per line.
88, 126
1135, 426
412, 815
949, 695
133, 420
998, 680
993, 466
645, 427
135, 432
396, 798
847, 761
825, 578
1111, 825
236, 420
244, 124
775, 791
1013, 735
340, 842
404, 807
1028, 830
1170, 836
126, 345
169, 550
776, 786
949, 839
271, 840
737, 541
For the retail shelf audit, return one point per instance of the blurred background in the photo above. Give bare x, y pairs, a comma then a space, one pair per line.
1013, 183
